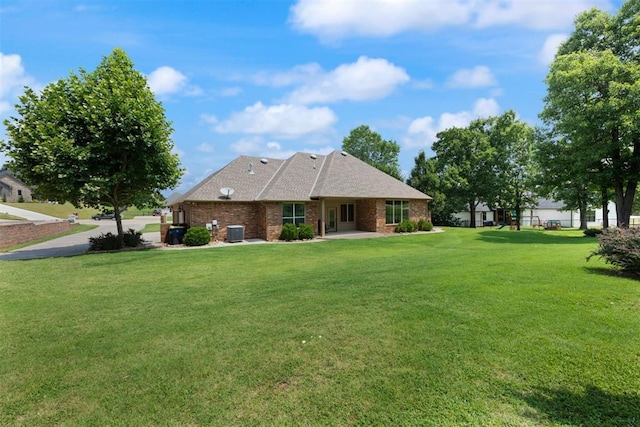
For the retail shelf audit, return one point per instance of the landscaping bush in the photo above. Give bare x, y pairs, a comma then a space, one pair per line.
425, 225
592, 232
132, 238
289, 232
110, 242
406, 226
197, 236
620, 247
305, 232
104, 242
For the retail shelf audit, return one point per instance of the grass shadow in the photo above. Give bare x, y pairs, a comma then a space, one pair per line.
612, 272
593, 407
535, 237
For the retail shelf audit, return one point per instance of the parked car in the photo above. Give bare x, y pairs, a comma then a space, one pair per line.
157, 212
104, 215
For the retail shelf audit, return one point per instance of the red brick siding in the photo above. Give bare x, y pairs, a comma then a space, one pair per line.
16, 233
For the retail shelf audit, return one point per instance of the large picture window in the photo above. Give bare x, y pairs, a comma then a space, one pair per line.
396, 211
347, 212
293, 213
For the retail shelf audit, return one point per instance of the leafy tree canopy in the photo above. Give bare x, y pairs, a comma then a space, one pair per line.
368, 146
593, 99
95, 139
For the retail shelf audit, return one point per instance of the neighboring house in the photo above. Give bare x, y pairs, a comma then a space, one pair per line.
334, 192
545, 210
13, 189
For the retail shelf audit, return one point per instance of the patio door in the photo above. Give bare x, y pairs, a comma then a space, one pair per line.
332, 222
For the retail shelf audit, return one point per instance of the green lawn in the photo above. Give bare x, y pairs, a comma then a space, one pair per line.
466, 327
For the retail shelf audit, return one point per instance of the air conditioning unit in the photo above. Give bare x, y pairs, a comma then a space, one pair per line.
235, 233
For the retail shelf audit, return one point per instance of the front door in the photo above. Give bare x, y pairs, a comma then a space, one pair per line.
332, 221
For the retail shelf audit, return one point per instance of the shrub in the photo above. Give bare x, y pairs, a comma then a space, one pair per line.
289, 232
132, 238
197, 236
620, 247
406, 226
425, 225
592, 232
104, 242
110, 242
305, 232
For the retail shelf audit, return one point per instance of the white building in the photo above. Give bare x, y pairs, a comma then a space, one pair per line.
545, 210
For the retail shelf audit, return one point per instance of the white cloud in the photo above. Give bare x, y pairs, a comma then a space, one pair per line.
166, 80
422, 131
480, 76
423, 84
335, 19
284, 120
205, 148
257, 146
550, 48
12, 80
231, 91
365, 79
209, 119
297, 75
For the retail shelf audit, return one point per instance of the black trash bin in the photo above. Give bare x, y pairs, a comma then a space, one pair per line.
176, 234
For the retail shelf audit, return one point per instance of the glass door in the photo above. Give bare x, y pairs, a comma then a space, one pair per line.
331, 222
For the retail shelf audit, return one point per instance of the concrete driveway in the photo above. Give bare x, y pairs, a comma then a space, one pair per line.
28, 215
76, 244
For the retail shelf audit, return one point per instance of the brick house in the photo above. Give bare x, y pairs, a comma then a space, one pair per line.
334, 192
12, 189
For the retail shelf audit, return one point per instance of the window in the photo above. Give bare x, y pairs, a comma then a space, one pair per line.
293, 213
19, 192
396, 211
347, 212
591, 216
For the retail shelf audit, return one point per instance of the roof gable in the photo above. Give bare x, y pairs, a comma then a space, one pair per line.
303, 176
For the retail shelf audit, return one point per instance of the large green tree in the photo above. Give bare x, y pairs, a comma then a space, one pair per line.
466, 163
424, 177
95, 139
368, 146
593, 101
513, 141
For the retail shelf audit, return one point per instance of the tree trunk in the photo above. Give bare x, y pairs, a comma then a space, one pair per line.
605, 207
583, 214
116, 210
624, 202
472, 214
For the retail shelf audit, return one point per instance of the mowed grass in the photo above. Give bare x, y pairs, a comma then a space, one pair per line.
465, 327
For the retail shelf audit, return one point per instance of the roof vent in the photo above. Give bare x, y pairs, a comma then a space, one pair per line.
313, 156
344, 153
251, 171
264, 161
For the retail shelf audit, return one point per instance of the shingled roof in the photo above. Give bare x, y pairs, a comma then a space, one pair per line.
303, 176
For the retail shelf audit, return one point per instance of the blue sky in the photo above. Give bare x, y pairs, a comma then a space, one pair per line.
273, 77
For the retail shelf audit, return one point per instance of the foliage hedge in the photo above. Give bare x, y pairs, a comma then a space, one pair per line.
110, 242
197, 236
302, 232
406, 226
592, 232
425, 225
305, 232
289, 232
620, 247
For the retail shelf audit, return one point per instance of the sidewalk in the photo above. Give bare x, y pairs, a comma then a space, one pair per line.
28, 215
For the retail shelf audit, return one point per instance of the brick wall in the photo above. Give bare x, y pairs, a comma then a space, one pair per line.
16, 233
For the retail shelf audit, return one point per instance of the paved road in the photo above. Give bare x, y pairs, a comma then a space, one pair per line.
28, 215
76, 244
